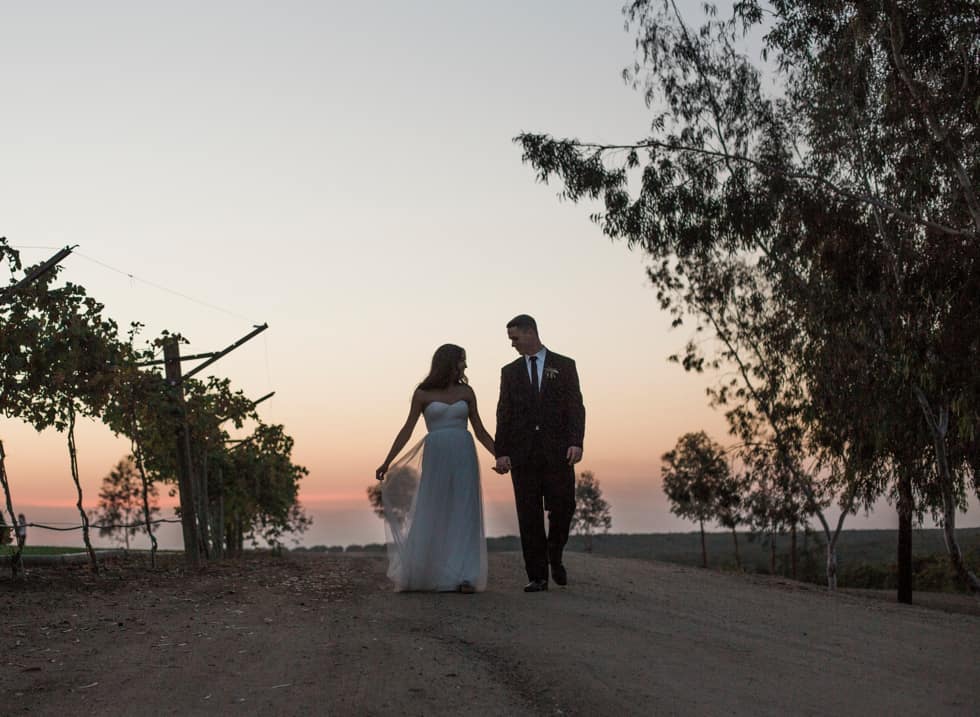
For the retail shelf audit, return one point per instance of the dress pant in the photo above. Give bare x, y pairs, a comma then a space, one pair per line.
551, 485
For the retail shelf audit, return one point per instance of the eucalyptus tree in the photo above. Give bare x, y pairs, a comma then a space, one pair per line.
860, 408
694, 473
762, 506
890, 90
731, 507
775, 502
758, 351
591, 509
869, 148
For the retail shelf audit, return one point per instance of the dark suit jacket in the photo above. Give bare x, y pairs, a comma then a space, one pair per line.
558, 413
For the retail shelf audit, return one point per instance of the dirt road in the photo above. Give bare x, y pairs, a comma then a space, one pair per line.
322, 635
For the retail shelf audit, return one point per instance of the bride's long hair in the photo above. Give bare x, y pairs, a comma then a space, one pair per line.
445, 368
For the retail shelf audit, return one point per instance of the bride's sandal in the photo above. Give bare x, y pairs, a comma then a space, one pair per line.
466, 588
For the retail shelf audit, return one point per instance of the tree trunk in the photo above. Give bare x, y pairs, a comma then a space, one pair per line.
832, 536
16, 566
772, 551
938, 426
792, 551
218, 529
230, 538
738, 557
905, 511
73, 455
203, 503
234, 537
185, 479
949, 535
832, 564
704, 549
137, 448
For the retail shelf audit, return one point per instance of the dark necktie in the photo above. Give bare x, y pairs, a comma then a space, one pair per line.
534, 375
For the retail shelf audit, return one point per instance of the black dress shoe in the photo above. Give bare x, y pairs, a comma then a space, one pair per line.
536, 586
559, 575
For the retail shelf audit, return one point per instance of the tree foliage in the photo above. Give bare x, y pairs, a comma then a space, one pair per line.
261, 492
61, 357
591, 509
120, 505
824, 234
696, 480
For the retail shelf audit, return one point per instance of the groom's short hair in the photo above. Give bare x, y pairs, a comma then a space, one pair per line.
524, 323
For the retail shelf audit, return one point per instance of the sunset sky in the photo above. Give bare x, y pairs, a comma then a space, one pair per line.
346, 173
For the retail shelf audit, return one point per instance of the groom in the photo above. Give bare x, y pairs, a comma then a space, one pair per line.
540, 428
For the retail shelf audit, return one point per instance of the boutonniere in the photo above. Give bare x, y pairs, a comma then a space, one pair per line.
551, 373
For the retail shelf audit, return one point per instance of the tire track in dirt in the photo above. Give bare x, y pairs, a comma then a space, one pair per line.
323, 634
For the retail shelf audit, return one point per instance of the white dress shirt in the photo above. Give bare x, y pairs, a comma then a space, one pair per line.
540, 356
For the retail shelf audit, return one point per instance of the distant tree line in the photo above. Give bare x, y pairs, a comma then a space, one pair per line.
701, 485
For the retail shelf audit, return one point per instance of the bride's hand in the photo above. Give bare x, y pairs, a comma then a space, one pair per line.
380, 473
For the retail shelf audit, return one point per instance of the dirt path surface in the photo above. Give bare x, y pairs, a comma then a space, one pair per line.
322, 635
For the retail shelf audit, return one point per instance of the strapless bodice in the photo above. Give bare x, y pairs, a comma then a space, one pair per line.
440, 416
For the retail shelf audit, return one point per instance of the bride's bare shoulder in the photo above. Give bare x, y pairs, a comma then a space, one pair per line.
469, 396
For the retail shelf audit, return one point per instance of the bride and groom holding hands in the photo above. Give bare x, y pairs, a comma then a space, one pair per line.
433, 506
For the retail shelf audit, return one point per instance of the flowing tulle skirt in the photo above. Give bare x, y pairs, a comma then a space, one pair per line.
434, 515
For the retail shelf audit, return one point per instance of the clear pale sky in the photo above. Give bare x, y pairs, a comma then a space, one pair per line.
344, 172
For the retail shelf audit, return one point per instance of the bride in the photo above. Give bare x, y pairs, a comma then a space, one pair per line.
433, 508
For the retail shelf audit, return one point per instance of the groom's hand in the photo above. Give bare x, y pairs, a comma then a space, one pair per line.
503, 465
573, 455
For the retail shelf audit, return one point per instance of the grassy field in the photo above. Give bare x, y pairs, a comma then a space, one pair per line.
40, 550
866, 558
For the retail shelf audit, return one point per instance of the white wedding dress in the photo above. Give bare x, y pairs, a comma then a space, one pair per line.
433, 507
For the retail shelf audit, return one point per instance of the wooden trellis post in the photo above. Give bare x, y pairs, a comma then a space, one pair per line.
185, 482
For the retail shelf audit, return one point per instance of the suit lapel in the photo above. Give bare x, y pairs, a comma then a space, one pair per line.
524, 379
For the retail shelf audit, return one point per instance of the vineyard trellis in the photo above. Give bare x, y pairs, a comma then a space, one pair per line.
61, 357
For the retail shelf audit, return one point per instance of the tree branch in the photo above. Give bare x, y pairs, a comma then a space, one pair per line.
939, 135
715, 109
777, 171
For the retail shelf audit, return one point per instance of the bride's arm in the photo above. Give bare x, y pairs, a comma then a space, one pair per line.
403, 435
481, 433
